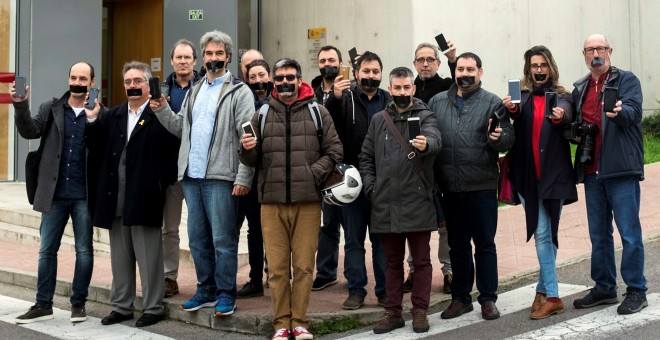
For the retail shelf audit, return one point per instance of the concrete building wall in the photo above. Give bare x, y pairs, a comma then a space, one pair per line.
498, 31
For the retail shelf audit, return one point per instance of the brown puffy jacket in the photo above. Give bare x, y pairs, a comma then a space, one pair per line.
292, 165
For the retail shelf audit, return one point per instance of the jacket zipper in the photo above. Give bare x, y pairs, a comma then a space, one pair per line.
288, 154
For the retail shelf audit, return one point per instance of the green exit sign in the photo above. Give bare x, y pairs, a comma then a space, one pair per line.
196, 14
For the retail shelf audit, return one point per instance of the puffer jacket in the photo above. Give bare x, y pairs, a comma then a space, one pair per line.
468, 159
291, 164
400, 201
622, 152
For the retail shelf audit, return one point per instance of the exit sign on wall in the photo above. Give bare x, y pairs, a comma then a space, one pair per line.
196, 14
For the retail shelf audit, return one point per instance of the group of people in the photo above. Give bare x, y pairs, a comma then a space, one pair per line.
128, 168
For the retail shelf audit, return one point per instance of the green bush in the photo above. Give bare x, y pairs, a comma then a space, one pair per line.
651, 125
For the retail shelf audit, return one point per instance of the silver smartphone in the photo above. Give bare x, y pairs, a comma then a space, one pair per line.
414, 128
247, 128
514, 90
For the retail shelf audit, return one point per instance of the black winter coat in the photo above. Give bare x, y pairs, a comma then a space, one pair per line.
151, 165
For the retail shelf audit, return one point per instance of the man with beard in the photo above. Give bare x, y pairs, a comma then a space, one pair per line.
67, 195
352, 108
136, 160
183, 59
611, 173
402, 195
293, 163
469, 173
212, 177
428, 83
327, 257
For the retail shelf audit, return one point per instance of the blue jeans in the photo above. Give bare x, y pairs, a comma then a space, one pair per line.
617, 198
472, 217
212, 236
546, 252
355, 218
327, 256
51, 230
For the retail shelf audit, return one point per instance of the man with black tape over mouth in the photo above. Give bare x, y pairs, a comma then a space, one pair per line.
61, 188
611, 168
210, 127
136, 160
352, 106
468, 178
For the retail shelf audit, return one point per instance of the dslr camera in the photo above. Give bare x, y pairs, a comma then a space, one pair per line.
586, 133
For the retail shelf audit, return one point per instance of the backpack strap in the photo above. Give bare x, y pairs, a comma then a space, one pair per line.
316, 117
263, 112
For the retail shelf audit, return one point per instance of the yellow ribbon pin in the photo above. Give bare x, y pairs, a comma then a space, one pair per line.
141, 122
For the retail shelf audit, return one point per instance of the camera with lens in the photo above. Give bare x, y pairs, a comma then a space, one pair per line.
586, 133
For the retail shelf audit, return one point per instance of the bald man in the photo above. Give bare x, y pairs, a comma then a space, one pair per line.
248, 57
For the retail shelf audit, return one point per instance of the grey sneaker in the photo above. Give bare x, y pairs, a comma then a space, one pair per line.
353, 302
78, 313
595, 298
35, 314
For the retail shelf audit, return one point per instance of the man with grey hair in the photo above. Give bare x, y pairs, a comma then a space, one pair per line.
212, 177
428, 83
134, 160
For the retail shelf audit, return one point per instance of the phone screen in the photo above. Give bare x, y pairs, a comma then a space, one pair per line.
19, 87
550, 103
514, 90
154, 87
442, 43
93, 94
609, 98
414, 128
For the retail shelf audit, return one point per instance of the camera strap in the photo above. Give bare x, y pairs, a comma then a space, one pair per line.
410, 154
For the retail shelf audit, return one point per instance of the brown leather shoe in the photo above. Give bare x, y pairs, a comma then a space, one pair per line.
489, 311
388, 323
539, 300
455, 309
549, 308
446, 286
420, 322
171, 287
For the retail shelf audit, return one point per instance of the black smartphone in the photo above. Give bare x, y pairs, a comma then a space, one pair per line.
352, 53
550, 103
93, 94
19, 87
514, 90
495, 117
414, 128
610, 95
247, 128
154, 88
442, 43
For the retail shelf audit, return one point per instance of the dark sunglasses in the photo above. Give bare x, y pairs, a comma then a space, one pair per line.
289, 77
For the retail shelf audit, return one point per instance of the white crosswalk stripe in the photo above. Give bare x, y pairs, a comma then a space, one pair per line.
598, 324
60, 326
509, 302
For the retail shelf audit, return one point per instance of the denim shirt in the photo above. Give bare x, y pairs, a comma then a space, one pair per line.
203, 124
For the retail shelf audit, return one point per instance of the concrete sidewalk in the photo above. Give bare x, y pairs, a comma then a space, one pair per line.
516, 259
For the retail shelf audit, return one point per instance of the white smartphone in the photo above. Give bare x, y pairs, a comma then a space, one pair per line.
414, 128
247, 128
514, 90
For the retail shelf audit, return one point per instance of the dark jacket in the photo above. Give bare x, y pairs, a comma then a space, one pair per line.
351, 121
151, 156
426, 89
622, 152
557, 180
290, 163
400, 200
468, 159
32, 128
170, 80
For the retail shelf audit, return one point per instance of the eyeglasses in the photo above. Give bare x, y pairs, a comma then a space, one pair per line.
539, 67
136, 81
289, 77
599, 49
428, 60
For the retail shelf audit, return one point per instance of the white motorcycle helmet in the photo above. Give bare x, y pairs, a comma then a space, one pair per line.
343, 186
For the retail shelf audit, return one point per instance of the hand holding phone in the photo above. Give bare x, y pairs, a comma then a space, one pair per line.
442, 43
93, 95
247, 128
19, 87
154, 88
414, 128
496, 117
610, 95
345, 72
514, 91
550, 103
